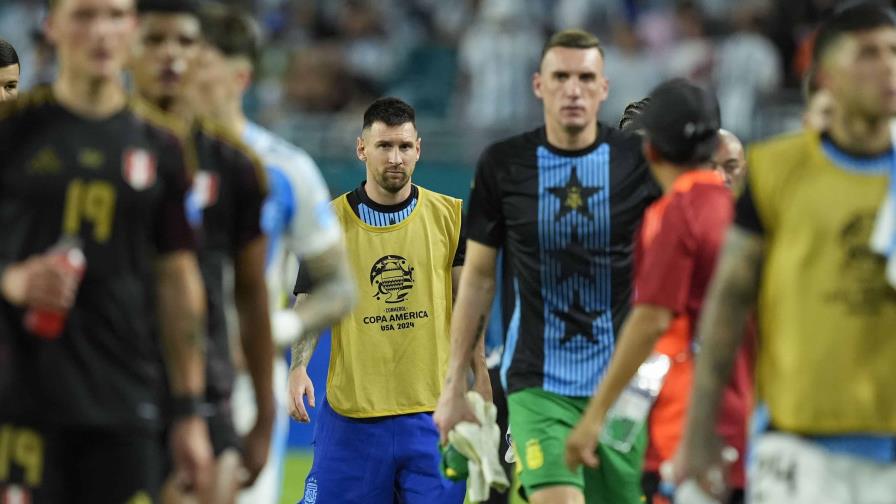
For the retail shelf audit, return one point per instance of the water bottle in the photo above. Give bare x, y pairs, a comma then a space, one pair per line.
48, 324
627, 416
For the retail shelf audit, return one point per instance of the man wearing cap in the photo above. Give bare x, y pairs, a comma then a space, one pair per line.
675, 256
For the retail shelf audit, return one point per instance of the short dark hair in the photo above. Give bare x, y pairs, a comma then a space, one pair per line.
231, 30
389, 110
631, 117
573, 38
168, 7
851, 18
8, 54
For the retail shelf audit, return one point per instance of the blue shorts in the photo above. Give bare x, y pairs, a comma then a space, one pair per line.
385, 460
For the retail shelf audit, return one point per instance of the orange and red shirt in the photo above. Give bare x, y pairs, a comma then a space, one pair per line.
675, 257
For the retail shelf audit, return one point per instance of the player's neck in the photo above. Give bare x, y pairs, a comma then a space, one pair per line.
233, 118
383, 197
175, 107
571, 140
860, 135
665, 175
89, 97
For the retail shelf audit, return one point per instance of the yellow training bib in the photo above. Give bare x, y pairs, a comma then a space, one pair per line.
827, 315
390, 354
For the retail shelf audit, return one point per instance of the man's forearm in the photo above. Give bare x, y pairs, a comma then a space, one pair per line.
251, 298
481, 380
730, 298
304, 345
331, 296
468, 323
181, 311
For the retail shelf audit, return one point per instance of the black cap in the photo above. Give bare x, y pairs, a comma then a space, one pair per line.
682, 122
190, 7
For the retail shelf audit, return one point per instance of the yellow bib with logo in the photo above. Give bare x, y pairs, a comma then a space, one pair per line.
827, 351
390, 354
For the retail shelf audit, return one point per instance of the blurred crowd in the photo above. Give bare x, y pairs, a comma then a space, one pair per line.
469, 62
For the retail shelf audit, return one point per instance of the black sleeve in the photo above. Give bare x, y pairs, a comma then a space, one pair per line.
746, 215
485, 220
461, 253
172, 231
303, 280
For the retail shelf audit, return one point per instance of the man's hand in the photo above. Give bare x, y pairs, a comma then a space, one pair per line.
192, 452
581, 445
452, 410
300, 386
40, 282
702, 462
256, 446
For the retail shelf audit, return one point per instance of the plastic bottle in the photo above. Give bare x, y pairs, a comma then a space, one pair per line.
48, 324
627, 416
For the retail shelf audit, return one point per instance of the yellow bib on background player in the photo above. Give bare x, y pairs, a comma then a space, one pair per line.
827, 315
390, 354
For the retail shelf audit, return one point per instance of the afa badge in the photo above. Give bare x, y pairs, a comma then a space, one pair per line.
534, 454
311, 491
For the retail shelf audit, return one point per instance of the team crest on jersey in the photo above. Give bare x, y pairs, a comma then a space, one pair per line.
139, 168
206, 187
393, 278
203, 194
311, 491
14, 494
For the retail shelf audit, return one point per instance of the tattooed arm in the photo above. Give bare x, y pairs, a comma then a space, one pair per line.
732, 294
331, 296
481, 381
471, 310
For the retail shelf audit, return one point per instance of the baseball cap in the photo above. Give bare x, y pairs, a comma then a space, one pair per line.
682, 122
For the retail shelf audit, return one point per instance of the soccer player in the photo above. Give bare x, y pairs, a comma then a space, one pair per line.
375, 441
674, 260
224, 207
9, 71
82, 160
729, 161
563, 202
800, 247
296, 217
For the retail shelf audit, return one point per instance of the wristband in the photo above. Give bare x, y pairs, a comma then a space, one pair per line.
187, 406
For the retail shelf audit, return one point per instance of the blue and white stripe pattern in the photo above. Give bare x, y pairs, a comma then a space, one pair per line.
575, 360
376, 218
513, 335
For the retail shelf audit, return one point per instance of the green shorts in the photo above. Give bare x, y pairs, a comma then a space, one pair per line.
540, 422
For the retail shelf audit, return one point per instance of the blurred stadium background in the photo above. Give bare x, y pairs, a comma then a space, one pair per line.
466, 66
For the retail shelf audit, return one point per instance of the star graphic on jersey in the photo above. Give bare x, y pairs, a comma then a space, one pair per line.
574, 196
577, 320
575, 258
